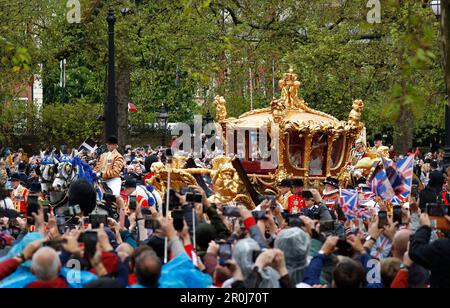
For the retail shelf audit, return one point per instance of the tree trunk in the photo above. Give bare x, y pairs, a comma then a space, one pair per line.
123, 98
404, 131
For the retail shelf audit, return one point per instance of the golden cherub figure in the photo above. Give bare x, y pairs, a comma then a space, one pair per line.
221, 109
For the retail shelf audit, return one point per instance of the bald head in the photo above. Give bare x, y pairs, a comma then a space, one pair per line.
400, 243
148, 269
124, 251
45, 264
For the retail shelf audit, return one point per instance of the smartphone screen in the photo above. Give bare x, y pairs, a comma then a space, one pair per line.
382, 219
397, 213
224, 252
132, 202
32, 206
193, 198
90, 243
178, 220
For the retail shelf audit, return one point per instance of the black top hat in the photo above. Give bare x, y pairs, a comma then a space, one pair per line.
112, 140
130, 183
35, 188
15, 177
285, 183
332, 181
22, 166
298, 183
378, 137
307, 194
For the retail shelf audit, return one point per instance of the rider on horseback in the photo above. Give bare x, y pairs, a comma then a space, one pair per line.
110, 165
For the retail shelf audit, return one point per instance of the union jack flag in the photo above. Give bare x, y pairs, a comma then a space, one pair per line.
394, 176
350, 204
381, 186
405, 169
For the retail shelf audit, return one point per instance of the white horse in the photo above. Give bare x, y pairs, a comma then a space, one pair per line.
48, 171
67, 172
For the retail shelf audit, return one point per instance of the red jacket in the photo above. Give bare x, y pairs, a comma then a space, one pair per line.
110, 261
295, 204
401, 280
57, 283
8, 267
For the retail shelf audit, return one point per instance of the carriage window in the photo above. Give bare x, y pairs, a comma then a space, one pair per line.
240, 143
318, 154
336, 151
254, 151
296, 146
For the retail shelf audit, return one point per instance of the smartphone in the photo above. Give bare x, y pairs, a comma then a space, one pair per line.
231, 211
194, 198
327, 226
32, 206
132, 203
397, 214
61, 223
178, 220
382, 219
259, 215
90, 243
96, 219
174, 201
224, 252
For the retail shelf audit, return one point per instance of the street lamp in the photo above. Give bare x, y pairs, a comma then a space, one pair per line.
436, 7
111, 125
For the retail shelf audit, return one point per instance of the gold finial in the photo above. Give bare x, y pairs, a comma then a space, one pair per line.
289, 86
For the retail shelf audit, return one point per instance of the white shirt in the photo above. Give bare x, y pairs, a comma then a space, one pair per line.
7, 204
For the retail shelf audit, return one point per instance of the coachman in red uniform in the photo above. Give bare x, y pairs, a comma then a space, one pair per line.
296, 202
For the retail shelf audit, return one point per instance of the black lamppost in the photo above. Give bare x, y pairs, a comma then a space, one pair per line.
163, 122
208, 118
437, 10
111, 125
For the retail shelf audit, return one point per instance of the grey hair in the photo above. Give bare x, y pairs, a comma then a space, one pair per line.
46, 264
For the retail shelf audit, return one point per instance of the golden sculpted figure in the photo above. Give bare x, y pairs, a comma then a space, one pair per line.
278, 110
355, 115
221, 109
225, 180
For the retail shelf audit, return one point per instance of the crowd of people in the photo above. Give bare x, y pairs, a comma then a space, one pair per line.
297, 237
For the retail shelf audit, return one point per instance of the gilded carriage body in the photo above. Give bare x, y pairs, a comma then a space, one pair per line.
290, 139
286, 140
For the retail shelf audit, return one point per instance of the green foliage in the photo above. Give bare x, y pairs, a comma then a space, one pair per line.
394, 66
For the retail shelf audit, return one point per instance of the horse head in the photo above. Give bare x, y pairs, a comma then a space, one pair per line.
67, 173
